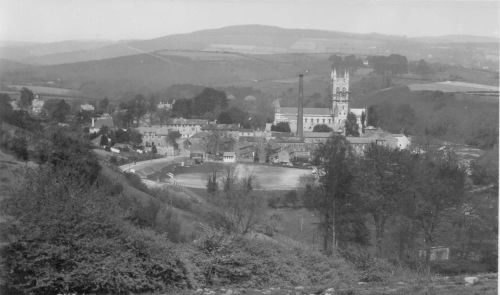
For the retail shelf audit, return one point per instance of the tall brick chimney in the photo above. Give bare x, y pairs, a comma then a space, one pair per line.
300, 108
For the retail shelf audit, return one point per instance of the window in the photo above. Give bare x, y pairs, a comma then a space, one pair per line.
317, 120
305, 120
323, 121
329, 120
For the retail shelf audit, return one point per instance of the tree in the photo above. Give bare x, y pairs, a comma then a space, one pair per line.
393, 64
69, 150
438, 186
423, 68
484, 170
281, 127
20, 147
103, 105
212, 186
183, 108
60, 112
208, 101
84, 117
172, 138
363, 120
291, 198
5, 107
104, 140
382, 181
405, 117
241, 209
224, 118
26, 98
133, 109
333, 199
152, 104
351, 125
57, 109
322, 128
373, 116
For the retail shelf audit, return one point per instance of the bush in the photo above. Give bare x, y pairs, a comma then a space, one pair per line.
274, 202
79, 244
459, 266
144, 215
232, 260
167, 221
135, 181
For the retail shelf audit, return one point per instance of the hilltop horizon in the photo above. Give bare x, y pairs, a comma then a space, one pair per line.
15, 43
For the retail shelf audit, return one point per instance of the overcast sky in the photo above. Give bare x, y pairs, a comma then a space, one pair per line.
56, 20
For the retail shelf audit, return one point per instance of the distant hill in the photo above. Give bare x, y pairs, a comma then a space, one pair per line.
259, 39
28, 51
457, 39
142, 72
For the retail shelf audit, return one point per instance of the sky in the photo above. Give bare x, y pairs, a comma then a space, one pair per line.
57, 20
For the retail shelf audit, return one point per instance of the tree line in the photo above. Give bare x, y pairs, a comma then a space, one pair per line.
415, 188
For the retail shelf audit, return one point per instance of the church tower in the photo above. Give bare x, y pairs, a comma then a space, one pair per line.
340, 99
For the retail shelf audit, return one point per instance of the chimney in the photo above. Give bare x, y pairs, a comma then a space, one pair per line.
300, 108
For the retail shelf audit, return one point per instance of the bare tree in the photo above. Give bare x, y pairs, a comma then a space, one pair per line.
239, 206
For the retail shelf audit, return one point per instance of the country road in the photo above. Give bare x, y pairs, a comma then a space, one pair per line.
152, 165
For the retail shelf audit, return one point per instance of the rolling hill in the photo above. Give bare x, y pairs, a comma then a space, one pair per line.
259, 39
116, 76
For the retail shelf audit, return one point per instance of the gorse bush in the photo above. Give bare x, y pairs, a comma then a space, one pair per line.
135, 181
253, 262
68, 237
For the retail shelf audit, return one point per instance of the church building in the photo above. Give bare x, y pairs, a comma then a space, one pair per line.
334, 117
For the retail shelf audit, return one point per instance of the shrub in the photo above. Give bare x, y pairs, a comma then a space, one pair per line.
144, 215
167, 221
135, 181
274, 202
79, 244
113, 160
233, 260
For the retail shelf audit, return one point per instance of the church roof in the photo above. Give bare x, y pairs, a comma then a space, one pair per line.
307, 111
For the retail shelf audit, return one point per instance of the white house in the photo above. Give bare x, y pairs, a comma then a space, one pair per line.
99, 122
87, 107
229, 157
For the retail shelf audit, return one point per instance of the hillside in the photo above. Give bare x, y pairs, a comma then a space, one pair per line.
113, 77
259, 39
27, 50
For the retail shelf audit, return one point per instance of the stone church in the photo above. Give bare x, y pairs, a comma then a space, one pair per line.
334, 117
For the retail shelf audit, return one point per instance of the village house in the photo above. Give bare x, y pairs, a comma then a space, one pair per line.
37, 105
231, 130
165, 105
87, 107
229, 157
99, 122
186, 127
157, 136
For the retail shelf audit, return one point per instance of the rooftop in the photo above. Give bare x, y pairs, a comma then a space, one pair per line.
180, 121
99, 122
309, 134
230, 127
307, 111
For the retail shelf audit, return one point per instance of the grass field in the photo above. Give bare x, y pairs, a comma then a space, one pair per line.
453, 86
266, 177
